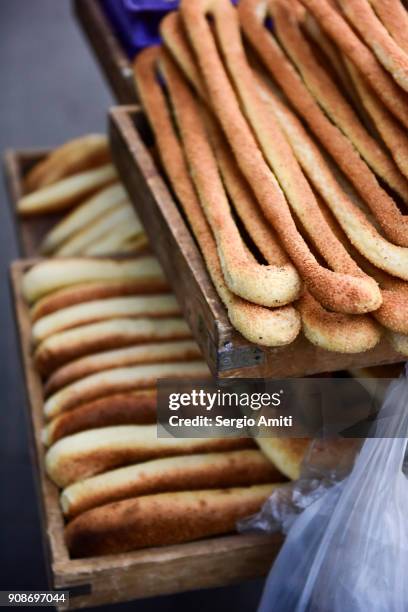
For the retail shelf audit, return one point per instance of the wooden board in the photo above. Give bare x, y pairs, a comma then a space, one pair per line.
226, 351
156, 571
108, 50
29, 230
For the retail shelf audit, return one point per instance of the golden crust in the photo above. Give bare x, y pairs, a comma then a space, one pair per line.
256, 324
95, 451
67, 191
271, 285
53, 274
340, 291
105, 335
159, 520
287, 26
334, 331
329, 330
361, 56
394, 17
182, 350
83, 215
364, 20
79, 154
95, 290
393, 223
389, 128
362, 234
118, 380
188, 473
135, 408
152, 306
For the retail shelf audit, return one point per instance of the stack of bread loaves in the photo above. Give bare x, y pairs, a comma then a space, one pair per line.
103, 332
79, 176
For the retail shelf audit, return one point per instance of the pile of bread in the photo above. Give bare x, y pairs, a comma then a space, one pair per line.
282, 128
80, 176
103, 332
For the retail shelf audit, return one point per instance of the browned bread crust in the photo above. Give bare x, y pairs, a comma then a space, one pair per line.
97, 290
257, 324
343, 287
134, 408
288, 27
389, 54
73, 156
97, 450
105, 335
395, 18
163, 519
181, 350
361, 56
340, 148
120, 380
188, 473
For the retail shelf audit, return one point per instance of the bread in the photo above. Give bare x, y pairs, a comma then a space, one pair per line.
255, 323
160, 520
48, 276
394, 16
73, 156
349, 43
118, 380
82, 215
180, 350
288, 19
212, 470
132, 408
119, 239
253, 14
341, 288
95, 290
64, 346
66, 191
95, 451
394, 59
81, 241
152, 306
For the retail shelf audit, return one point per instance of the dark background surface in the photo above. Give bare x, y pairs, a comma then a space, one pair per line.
50, 91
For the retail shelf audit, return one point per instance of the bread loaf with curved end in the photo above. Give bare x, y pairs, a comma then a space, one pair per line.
134, 408
76, 155
158, 352
105, 335
119, 380
211, 470
67, 191
152, 306
160, 520
82, 215
94, 451
95, 290
53, 274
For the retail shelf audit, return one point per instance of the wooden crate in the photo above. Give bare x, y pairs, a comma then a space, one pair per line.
108, 50
29, 230
226, 351
95, 581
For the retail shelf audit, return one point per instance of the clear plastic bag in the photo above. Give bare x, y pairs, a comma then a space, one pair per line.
347, 551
